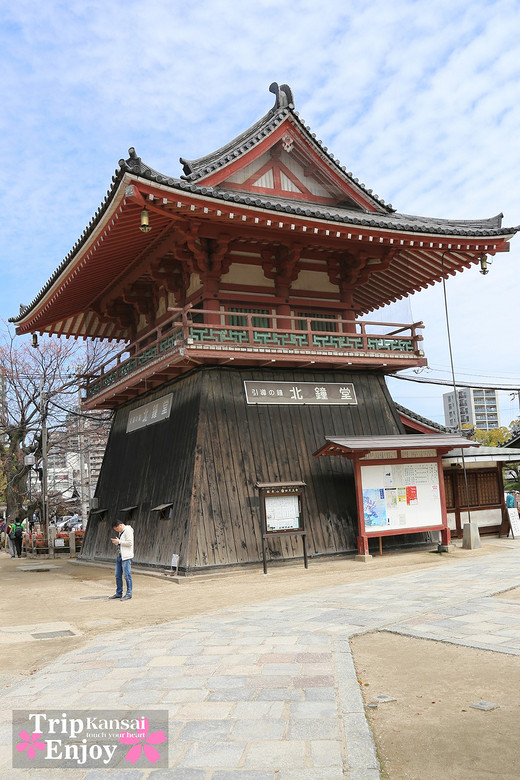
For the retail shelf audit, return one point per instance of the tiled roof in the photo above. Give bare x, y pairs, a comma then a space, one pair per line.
424, 420
476, 453
391, 221
385, 218
196, 169
514, 441
395, 441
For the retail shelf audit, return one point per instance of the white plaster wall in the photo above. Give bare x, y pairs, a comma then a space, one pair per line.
483, 518
315, 281
240, 273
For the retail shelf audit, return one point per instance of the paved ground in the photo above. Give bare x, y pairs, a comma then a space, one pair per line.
268, 691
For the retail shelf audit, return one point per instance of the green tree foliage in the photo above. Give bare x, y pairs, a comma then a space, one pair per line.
495, 437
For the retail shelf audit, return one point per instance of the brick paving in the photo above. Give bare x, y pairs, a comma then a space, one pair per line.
268, 691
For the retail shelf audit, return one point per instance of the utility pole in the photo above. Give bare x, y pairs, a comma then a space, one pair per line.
43, 411
81, 445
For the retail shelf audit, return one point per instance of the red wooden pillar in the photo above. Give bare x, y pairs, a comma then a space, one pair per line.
283, 310
362, 540
211, 300
348, 313
362, 545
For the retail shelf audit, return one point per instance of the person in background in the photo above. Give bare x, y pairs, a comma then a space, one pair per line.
124, 541
17, 529
10, 536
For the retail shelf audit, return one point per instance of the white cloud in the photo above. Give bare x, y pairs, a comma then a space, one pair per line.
419, 100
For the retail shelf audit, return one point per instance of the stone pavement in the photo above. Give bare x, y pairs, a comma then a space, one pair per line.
268, 691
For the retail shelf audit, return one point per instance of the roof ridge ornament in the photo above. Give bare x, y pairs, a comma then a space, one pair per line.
283, 95
133, 163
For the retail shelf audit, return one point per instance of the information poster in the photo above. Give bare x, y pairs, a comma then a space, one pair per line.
374, 507
400, 496
282, 513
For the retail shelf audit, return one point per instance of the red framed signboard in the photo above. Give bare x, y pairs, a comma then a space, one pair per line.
399, 483
400, 496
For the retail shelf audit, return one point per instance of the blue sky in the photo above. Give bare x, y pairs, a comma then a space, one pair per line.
419, 99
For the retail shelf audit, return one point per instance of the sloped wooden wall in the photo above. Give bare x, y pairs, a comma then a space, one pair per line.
208, 455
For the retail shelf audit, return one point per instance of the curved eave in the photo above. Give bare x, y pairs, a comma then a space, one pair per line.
392, 221
112, 243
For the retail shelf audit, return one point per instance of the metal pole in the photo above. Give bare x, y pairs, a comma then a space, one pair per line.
43, 411
81, 445
471, 538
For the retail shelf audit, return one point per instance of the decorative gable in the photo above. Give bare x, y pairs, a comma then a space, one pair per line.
286, 171
281, 131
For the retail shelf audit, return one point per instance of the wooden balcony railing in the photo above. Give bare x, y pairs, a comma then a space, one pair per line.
201, 333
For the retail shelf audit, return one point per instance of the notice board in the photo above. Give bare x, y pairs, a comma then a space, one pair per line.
282, 513
514, 522
400, 496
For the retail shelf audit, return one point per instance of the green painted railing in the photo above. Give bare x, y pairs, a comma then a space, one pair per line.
181, 331
204, 335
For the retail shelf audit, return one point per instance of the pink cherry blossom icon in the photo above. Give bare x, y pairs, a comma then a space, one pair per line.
143, 743
30, 743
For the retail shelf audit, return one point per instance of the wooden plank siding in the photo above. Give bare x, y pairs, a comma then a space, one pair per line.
148, 467
208, 455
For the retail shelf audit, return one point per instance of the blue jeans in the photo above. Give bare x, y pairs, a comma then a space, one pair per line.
123, 568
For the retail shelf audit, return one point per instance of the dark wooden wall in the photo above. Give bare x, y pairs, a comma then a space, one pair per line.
148, 467
208, 455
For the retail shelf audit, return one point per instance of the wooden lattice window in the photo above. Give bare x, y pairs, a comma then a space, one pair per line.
488, 488
483, 488
448, 490
472, 497
241, 322
319, 322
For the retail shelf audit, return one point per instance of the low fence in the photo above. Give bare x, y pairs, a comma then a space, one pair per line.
66, 543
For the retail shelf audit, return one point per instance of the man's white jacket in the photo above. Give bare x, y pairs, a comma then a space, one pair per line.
126, 543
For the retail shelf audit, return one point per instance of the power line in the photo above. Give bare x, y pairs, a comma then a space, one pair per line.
468, 372
81, 414
449, 383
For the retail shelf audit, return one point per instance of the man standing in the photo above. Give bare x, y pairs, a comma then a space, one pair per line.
125, 552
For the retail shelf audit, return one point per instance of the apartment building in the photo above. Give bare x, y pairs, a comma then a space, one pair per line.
478, 408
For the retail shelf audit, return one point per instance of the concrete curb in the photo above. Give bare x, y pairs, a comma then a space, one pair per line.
361, 750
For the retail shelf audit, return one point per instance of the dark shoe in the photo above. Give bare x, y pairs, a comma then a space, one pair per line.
115, 596
126, 597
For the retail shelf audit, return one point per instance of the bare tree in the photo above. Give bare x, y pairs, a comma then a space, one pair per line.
36, 382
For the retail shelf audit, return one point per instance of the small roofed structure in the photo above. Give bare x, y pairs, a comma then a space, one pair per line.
477, 491
398, 481
350, 446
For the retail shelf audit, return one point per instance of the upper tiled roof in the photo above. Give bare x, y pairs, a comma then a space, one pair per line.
195, 170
